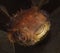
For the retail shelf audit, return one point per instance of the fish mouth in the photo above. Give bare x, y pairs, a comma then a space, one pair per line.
41, 32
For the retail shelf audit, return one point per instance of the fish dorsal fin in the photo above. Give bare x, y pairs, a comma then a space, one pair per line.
39, 3
4, 10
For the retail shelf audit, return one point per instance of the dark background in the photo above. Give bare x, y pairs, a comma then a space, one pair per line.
51, 44
13, 5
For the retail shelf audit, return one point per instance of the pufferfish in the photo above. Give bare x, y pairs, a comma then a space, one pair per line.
27, 27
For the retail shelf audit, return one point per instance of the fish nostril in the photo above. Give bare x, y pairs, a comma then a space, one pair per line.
28, 41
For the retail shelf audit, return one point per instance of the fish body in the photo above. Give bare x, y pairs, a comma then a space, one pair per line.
27, 27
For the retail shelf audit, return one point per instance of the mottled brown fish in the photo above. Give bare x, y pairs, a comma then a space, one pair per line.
28, 27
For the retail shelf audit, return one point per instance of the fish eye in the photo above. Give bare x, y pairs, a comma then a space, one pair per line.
16, 34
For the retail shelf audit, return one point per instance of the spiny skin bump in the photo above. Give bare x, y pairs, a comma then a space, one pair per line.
28, 27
